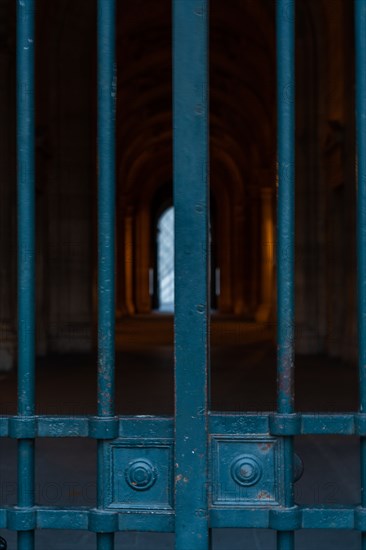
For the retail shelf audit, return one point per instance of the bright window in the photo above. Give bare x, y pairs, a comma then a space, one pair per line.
165, 244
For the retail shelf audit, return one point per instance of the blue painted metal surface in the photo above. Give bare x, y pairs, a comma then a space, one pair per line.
285, 32
199, 470
191, 196
141, 445
106, 205
247, 471
106, 244
161, 427
360, 34
26, 255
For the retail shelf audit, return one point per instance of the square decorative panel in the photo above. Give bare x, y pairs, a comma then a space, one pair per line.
246, 471
139, 475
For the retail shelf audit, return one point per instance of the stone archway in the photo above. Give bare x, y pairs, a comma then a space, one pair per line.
242, 120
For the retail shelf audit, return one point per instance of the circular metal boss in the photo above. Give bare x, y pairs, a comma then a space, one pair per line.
140, 474
245, 470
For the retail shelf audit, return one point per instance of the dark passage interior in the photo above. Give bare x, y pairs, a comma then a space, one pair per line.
145, 377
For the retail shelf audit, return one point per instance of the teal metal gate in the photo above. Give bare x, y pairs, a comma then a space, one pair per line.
199, 470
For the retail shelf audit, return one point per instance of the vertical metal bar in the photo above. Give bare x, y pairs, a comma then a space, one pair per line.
191, 198
106, 230
360, 35
285, 31
26, 253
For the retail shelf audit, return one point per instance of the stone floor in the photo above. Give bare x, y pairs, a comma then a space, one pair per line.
243, 378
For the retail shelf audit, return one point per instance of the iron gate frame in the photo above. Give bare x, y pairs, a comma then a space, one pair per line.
201, 469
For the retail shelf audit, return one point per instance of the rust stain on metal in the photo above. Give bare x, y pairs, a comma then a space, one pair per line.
264, 446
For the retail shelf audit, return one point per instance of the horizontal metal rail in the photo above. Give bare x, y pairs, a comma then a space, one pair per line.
300, 517
242, 424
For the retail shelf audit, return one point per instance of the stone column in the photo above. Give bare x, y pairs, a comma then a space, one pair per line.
267, 254
8, 337
143, 235
128, 261
254, 298
240, 306
223, 245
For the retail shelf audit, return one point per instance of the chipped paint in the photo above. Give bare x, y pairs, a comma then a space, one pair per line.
191, 203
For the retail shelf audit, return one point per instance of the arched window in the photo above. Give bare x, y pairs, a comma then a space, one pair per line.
163, 276
165, 260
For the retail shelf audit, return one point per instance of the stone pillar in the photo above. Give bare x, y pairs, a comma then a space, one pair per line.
8, 335
254, 298
128, 262
69, 201
267, 254
223, 236
142, 247
41, 278
240, 306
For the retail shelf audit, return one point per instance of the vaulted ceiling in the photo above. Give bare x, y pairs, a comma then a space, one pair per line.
242, 92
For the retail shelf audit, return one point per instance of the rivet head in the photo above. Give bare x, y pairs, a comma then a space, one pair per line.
289, 92
141, 474
288, 11
245, 470
199, 10
199, 109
